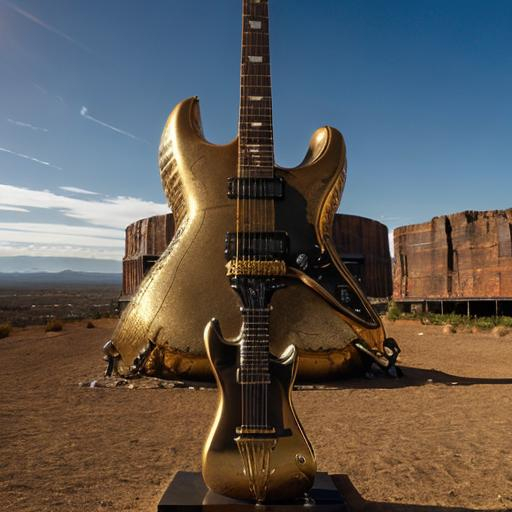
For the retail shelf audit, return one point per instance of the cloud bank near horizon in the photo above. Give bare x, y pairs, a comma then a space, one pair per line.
92, 224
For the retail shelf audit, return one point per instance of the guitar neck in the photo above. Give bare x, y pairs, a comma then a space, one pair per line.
254, 376
254, 346
256, 147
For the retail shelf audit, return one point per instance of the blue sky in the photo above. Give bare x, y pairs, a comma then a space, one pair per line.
420, 89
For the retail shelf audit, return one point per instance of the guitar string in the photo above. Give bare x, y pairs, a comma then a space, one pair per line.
250, 298
252, 78
269, 206
258, 173
240, 206
263, 228
255, 210
247, 337
266, 123
255, 236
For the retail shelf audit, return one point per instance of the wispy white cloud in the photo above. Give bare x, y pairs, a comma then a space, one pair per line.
13, 209
26, 125
85, 113
40, 88
65, 251
57, 235
100, 233
63, 229
116, 212
31, 158
46, 26
77, 190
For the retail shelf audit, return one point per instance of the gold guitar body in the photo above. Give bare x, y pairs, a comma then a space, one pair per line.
291, 464
188, 285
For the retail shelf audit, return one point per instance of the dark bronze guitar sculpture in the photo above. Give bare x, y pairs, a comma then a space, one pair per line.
256, 448
321, 309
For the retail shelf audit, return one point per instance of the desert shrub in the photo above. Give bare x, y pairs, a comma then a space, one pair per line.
5, 330
393, 311
436, 319
455, 320
90, 325
485, 322
54, 325
505, 321
408, 316
448, 319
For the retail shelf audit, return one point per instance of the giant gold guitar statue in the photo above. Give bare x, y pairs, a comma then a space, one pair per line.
214, 190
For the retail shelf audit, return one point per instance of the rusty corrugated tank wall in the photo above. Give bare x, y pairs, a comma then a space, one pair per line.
463, 255
359, 237
363, 244
145, 241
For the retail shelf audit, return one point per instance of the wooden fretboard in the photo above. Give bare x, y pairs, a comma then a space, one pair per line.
256, 149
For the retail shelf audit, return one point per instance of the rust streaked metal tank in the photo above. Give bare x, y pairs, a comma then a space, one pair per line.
456, 262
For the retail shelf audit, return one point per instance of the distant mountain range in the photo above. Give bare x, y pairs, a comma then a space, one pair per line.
66, 277
31, 264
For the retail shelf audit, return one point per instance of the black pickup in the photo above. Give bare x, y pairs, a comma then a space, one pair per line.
272, 245
255, 188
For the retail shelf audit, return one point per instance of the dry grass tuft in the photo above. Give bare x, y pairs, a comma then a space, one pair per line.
5, 330
54, 325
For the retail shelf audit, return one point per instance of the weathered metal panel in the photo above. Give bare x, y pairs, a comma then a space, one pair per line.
462, 255
368, 238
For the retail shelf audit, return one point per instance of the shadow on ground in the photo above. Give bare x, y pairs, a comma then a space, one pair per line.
412, 377
357, 503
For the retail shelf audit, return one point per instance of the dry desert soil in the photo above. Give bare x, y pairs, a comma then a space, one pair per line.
439, 439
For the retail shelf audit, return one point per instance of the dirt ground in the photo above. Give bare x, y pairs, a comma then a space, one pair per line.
438, 439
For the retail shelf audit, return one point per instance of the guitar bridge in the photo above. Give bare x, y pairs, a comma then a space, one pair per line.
256, 268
